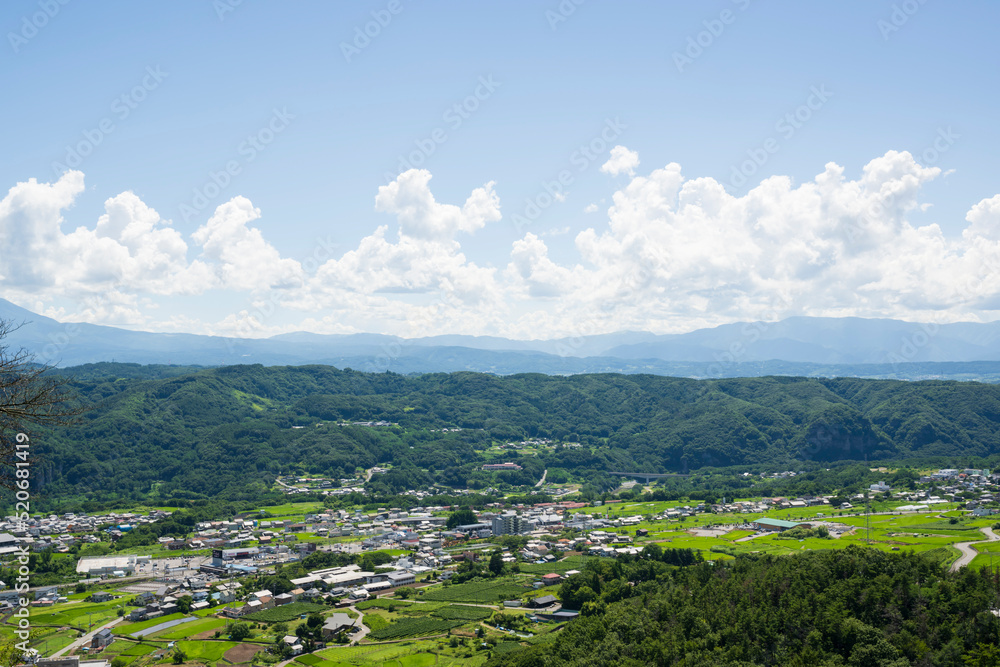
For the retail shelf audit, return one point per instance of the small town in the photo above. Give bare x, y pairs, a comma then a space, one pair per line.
302, 579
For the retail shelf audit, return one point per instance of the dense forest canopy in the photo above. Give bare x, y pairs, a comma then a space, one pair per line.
197, 433
857, 607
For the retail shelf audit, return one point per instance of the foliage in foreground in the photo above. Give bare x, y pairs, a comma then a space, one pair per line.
858, 607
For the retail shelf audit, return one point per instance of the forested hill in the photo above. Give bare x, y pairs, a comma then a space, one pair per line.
195, 433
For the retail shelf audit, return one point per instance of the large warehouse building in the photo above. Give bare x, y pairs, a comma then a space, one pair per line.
97, 565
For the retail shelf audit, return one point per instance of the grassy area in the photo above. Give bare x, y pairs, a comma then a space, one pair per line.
185, 630
205, 651
917, 532
80, 614
375, 621
290, 510
139, 649
50, 640
366, 654
415, 653
418, 660
143, 625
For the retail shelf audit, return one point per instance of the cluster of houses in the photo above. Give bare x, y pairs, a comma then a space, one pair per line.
42, 596
385, 525
163, 600
327, 488
973, 475
776, 475
349, 583
766, 504
62, 532
523, 444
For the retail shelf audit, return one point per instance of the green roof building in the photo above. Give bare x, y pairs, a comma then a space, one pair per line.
774, 524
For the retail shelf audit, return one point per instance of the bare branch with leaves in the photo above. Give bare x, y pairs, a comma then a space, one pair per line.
30, 396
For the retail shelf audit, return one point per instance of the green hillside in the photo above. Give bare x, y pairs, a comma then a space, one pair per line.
160, 432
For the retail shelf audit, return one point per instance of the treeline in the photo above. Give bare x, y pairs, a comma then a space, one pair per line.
856, 606
229, 432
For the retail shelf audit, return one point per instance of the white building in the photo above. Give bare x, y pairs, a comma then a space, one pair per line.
96, 566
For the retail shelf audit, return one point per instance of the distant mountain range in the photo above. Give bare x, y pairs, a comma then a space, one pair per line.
807, 346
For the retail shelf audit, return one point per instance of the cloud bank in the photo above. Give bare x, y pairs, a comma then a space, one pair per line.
671, 254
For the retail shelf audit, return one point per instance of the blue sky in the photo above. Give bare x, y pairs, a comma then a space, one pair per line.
490, 103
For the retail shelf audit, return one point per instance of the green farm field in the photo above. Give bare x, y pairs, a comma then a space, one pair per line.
142, 625
185, 630
205, 651
414, 653
79, 614
917, 532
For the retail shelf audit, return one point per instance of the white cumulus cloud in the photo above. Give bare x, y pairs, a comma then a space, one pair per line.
622, 161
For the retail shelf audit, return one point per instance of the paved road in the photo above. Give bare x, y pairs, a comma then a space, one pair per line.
968, 550
85, 640
542, 480
363, 632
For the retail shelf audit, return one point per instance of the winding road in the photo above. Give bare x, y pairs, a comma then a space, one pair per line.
968, 549
358, 636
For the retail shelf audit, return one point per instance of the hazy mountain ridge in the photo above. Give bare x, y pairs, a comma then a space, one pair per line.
804, 346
